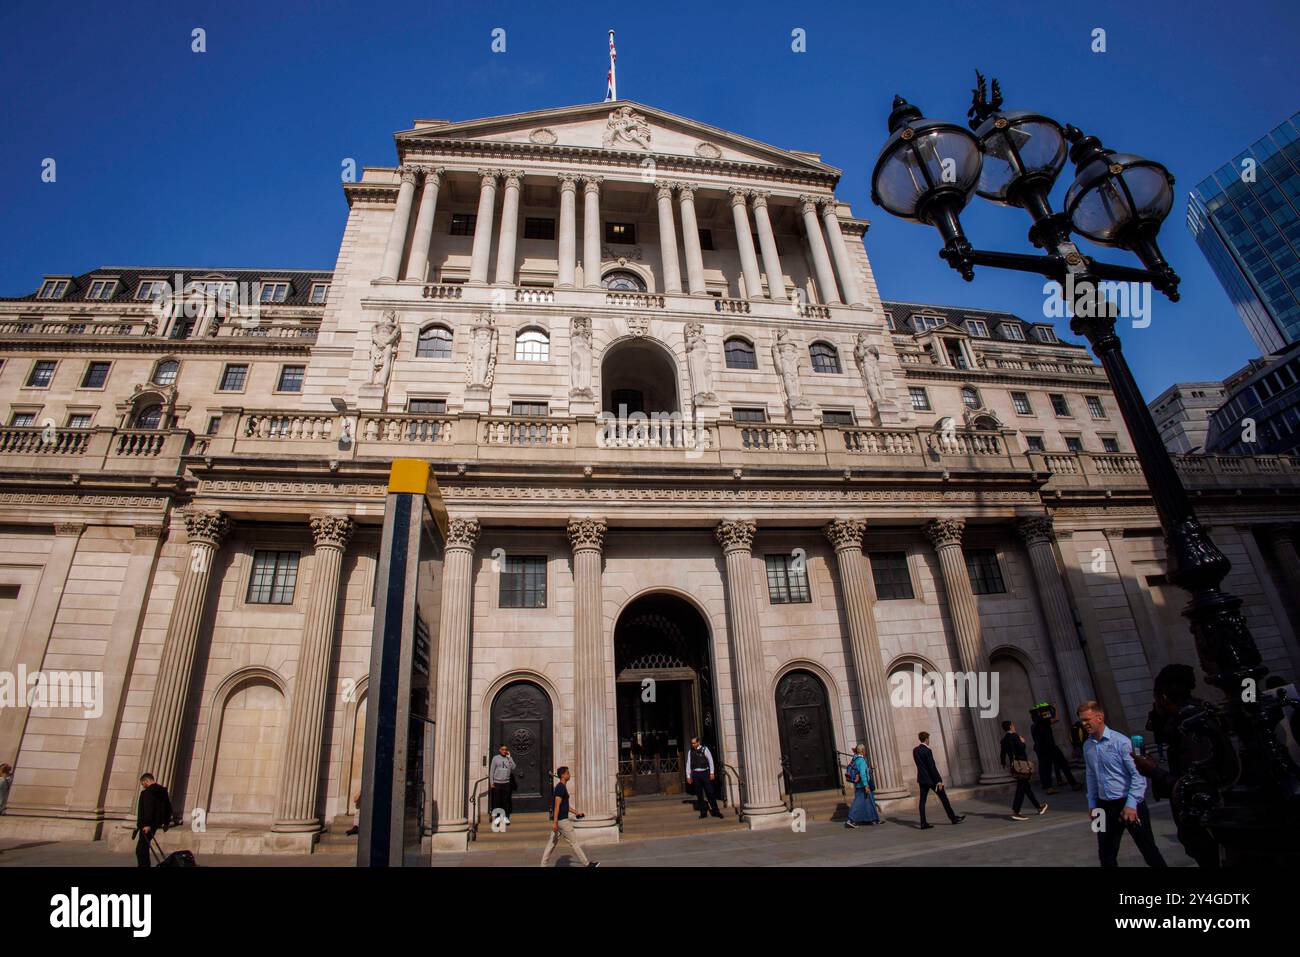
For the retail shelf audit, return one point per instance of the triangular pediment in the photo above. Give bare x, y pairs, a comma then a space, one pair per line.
623, 126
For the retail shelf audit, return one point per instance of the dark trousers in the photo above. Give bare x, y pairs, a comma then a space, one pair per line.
1053, 760
943, 799
1023, 790
1109, 837
142, 841
704, 800
500, 797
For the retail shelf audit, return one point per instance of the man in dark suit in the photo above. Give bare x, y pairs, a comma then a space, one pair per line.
152, 814
928, 776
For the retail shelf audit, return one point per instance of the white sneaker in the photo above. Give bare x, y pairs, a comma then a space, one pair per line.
1043, 809
1019, 817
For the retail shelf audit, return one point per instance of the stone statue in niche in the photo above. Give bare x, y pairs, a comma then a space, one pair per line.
786, 355
697, 363
868, 358
482, 352
384, 337
580, 357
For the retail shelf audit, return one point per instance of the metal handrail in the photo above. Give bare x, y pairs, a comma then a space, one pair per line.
731, 775
472, 809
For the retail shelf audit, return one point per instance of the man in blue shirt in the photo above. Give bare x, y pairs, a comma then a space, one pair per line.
1115, 789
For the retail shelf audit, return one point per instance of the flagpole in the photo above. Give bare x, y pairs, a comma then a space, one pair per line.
613, 78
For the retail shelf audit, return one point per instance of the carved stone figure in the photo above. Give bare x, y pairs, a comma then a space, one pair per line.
786, 355
580, 357
626, 126
868, 358
482, 352
384, 337
697, 363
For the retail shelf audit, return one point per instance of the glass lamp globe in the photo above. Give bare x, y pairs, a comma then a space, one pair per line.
921, 161
1019, 148
1116, 193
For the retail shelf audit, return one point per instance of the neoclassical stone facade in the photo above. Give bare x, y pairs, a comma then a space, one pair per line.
701, 479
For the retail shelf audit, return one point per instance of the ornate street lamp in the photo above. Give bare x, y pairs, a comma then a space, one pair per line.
1245, 794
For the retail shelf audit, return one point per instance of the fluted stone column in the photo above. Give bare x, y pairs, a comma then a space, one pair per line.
568, 251
1071, 665
205, 532
821, 260
295, 812
945, 534
482, 248
401, 220
745, 240
417, 264
451, 701
591, 231
691, 240
592, 685
877, 717
509, 228
840, 252
767, 243
668, 239
760, 742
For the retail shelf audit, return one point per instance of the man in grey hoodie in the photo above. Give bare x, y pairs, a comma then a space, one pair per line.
501, 774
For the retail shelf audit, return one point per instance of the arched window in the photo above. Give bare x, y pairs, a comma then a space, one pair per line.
970, 397
150, 417
739, 354
623, 281
824, 357
532, 345
434, 343
164, 373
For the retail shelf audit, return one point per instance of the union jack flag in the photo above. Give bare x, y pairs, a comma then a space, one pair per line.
611, 84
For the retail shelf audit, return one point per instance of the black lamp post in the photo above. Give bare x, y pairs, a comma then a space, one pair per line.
1245, 794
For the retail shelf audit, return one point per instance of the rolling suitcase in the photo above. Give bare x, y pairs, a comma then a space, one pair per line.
174, 859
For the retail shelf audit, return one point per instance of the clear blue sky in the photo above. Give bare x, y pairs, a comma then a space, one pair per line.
232, 157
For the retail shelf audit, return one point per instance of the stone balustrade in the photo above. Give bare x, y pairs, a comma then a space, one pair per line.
732, 306
103, 449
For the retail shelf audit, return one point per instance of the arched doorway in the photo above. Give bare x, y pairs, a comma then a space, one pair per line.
917, 712
1015, 692
521, 720
807, 745
638, 377
665, 693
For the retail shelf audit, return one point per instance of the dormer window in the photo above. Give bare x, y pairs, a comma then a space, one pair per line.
274, 292
1011, 331
319, 290
977, 328
922, 323
956, 354
53, 289
102, 289
1045, 334
151, 289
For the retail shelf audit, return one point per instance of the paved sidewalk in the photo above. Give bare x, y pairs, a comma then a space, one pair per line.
1060, 838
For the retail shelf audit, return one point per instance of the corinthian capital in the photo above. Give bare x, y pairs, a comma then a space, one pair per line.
591, 183
206, 528
736, 534
1036, 529
331, 531
433, 175
664, 189
408, 174
845, 533
686, 192
587, 533
739, 195
488, 177
567, 180
759, 198
512, 177
807, 203
944, 531
462, 533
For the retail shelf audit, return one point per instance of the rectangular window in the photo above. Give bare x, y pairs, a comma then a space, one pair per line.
985, 575
319, 291
102, 289
274, 292
79, 420
706, 239
150, 289
977, 328
1045, 334
1012, 332
787, 580
214, 424
1035, 443
537, 227
920, 400
42, 373
96, 375
462, 224
1108, 444
53, 289
1021, 402
1095, 408
893, 580
523, 582
427, 406
922, 323
1073, 443
233, 378
749, 415
837, 417
1059, 405
622, 233
274, 578
537, 409
23, 420
291, 379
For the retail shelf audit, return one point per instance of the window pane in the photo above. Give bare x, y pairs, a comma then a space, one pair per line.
985, 575
824, 357
233, 378
96, 375
787, 581
739, 354
291, 378
889, 569
274, 578
42, 373
434, 343
523, 582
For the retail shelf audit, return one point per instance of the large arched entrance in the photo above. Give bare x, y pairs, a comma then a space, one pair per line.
638, 377
807, 742
521, 720
665, 693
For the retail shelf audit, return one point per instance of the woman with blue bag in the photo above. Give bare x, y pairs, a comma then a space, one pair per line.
863, 810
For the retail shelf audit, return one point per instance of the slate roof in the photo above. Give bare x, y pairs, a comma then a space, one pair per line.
903, 311
129, 277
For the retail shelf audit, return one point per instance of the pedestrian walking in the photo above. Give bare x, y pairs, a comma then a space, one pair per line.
863, 810
561, 824
1115, 790
928, 776
6, 781
1051, 759
700, 771
152, 814
1016, 758
501, 783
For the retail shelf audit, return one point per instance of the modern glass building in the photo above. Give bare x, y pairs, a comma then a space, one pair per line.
1246, 219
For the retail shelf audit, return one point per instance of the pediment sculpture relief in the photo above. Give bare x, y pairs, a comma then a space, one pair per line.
627, 127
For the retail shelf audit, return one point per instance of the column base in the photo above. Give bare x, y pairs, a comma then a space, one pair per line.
891, 794
290, 842
597, 832
766, 818
995, 777
451, 841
